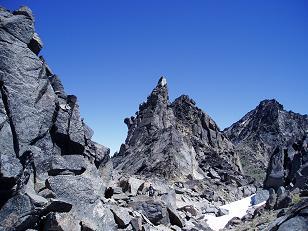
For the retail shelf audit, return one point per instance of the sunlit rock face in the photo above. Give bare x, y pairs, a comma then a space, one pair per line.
175, 141
48, 163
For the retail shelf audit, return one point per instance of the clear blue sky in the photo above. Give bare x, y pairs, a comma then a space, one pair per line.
227, 55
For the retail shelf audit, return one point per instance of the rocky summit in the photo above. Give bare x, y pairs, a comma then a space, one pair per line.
178, 141
176, 170
260, 131
186, 136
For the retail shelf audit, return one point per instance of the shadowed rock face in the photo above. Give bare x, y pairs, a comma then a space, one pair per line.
45, 147
174, 140
260, 131
289, 164
294, 219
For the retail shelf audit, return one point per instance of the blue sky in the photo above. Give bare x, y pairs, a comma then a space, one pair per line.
227, 55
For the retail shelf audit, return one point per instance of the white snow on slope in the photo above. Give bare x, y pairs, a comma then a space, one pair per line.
236, 209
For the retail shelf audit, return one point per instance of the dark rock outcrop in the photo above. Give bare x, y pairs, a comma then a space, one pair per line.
260, 131
48, 163
296, 218
288, 166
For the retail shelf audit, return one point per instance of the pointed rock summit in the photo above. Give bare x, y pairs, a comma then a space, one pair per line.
176, 141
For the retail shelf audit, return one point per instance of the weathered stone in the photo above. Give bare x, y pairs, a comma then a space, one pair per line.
301, 177
74, 189
261, 196
135, 185
293, 218
59, 222
175, 218
233, 221
35, 44
18, 214
40, 126
155, 211
75, 164
121, 216
47, 193
284, 199
37, 200
136, 222
54, 177
105, 172
190, 209
297, 223
58, 206
222, 212
271, 201
103, 217
259, 132
211, 209
275, 176
213, 174
117, 190
120, 197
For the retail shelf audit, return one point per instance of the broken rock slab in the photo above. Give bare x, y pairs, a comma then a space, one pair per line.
155, 211
122, 216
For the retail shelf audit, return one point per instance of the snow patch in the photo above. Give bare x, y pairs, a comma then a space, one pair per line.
236, 209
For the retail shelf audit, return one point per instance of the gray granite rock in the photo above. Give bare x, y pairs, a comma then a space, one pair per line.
178, 141
260, 131
294, 219
155, 211
43, 139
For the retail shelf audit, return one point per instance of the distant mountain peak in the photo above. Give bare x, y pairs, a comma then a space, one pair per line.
270, 103
258, 133
184, 99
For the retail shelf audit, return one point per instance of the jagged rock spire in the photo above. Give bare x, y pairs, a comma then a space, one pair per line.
159, 94
173, 139
162, 81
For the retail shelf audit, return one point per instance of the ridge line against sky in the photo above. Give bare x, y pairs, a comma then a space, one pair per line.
226, 55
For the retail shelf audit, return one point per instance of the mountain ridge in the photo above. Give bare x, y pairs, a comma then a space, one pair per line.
261, 130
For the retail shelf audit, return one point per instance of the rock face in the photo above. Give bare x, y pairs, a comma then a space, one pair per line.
260, 131
289, 166
177, 141
295, 218
173, 140
48, 163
